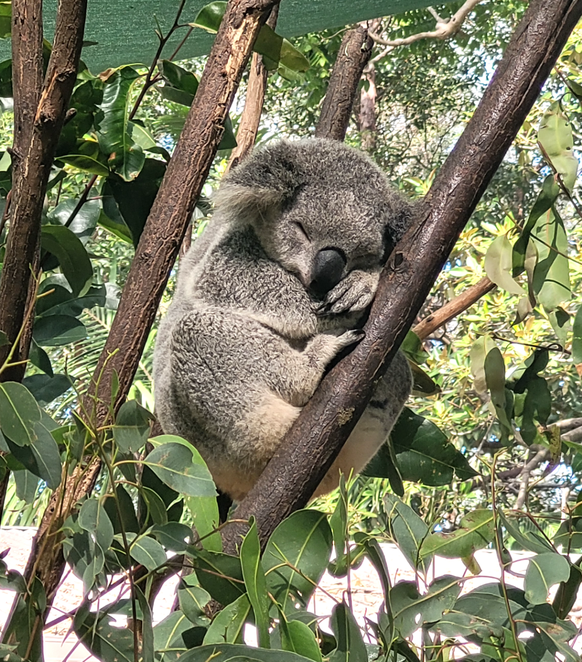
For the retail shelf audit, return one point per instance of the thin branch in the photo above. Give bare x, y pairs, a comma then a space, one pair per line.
455, 307
248, 127
443, 29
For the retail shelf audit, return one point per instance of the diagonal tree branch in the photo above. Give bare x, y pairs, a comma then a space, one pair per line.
317, 436
153, 261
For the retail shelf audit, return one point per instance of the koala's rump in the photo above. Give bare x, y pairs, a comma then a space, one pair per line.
226, 388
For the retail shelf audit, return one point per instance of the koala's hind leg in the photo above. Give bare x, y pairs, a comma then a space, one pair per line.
374, 426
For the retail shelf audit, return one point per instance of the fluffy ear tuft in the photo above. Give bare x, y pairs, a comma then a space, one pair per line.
265, 180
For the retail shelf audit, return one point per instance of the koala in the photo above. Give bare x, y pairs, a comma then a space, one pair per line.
276, 287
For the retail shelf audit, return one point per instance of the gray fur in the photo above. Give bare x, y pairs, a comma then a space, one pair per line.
250, 332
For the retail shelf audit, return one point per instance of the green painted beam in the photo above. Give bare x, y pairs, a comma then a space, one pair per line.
124, 30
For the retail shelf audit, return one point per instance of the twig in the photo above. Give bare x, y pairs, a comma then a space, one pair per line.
455, 307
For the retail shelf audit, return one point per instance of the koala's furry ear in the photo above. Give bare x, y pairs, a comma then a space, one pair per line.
265, 180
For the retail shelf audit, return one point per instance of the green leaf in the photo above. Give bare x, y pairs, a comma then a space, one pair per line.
3, 339
148, 552
168, 640
220, 574
350, 645
85, 163
577, 338
173, 536
338, 523
46, 388
126, 157
85, 557
41, 457
205, 519
228, 626
298, 637
555, 137
156, 508
546, 198
239, 653
193, 598
296, 557
423, 451
495, 378
543, 571
278, 50
551, 278
85, 221
254, 578
19, 413
132, 426
128, 204
93, 518
527, 540
412, 610
210, 16
106, 641
475, 532
26, 485
408, 530
5, 19
57, 330
499, 265
123, 509
182, 469
181, 84
71, 254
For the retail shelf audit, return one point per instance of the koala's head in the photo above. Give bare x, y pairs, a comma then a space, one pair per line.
320, 209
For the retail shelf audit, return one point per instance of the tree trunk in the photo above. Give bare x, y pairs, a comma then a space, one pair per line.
39, 114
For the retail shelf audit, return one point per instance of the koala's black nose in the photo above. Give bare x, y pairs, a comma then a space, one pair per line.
328, 269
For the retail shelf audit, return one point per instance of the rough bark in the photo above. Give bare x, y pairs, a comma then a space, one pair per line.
251, 116
39, 116
354, 54
154, 258
453, 308
23, 236
317, 436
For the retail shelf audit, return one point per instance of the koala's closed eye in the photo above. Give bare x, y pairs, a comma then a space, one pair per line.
302, 230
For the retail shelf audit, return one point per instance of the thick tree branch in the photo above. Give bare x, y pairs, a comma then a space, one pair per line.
39, 116
315, 439
354, 54
453, 308
155, 257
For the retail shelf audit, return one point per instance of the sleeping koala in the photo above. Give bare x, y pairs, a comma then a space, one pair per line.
274, 289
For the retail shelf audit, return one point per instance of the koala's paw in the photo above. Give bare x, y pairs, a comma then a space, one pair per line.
351, 295
351, 337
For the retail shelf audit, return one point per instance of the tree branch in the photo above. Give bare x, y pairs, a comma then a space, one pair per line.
354, 53
154, 259
455, 307
251, 115
443, 30
39, 117
317, 436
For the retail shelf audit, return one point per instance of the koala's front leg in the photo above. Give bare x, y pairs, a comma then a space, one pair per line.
352, 294
312, 362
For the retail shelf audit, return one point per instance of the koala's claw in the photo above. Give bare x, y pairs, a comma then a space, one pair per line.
353, 337
351, 295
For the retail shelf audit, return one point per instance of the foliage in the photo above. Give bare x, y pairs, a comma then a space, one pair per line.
502, 378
